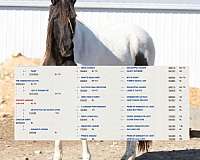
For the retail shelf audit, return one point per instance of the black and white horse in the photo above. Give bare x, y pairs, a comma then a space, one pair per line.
70, 42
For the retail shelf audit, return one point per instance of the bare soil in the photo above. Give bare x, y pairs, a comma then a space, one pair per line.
43, 150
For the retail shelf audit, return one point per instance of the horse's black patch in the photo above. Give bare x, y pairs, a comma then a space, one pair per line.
140, 60
60, 33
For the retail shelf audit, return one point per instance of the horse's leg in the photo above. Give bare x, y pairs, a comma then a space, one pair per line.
58, 150
85, 150
130, 150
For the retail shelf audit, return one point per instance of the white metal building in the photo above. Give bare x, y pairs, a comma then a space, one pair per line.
173, 24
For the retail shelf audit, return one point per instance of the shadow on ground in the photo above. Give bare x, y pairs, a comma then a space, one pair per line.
194, 134
193, 154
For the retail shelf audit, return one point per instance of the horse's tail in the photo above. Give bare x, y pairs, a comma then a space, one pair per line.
144, 146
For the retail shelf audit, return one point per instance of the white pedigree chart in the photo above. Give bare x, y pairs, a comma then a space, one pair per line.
102, 103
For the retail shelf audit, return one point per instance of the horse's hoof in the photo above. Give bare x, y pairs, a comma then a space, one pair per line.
125, 157
57, 158
87, 157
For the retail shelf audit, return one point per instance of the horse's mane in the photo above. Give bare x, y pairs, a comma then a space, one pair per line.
63, 11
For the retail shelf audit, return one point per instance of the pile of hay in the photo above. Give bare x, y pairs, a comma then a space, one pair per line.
7, 70
195, 97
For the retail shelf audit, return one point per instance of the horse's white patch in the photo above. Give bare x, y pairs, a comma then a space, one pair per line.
111, 45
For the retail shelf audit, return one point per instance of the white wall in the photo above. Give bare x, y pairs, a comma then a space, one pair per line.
176, 34
22, 30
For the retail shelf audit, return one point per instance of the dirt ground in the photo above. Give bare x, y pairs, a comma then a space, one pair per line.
43, 150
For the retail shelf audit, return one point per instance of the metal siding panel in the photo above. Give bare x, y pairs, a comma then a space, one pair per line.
27, 31
35, 40
175, 34
3, 17
19, 31
43, 31
126, 4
